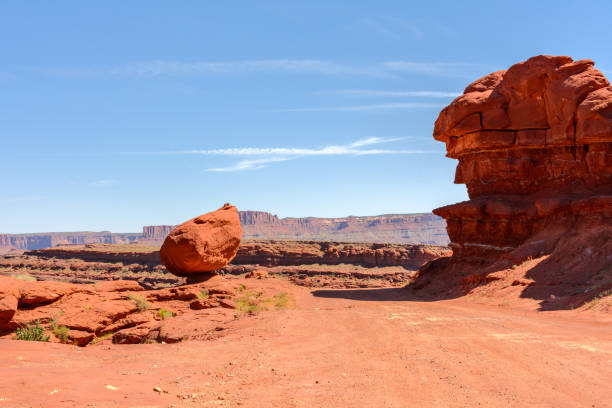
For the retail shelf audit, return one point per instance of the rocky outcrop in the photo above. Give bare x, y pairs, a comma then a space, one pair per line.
117, 310
203, 244
534, 145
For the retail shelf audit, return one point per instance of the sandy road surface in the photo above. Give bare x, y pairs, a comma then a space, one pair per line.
371, 348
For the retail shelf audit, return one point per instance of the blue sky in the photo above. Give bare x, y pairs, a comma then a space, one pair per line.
118, 114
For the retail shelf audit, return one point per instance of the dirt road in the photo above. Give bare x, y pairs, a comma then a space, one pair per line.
351, 348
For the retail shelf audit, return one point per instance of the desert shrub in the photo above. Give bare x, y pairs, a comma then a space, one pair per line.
102, 337
32, 332
203, 294
164, 313
249, 302
61, 332
252, 302
281, 300
25, 277
55, 318
241, 288
140, 301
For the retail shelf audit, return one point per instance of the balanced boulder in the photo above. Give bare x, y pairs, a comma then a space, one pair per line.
204, 243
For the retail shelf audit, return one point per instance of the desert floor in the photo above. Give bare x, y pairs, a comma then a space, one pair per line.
336, 348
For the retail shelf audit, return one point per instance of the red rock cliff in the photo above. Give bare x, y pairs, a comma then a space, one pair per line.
534, 145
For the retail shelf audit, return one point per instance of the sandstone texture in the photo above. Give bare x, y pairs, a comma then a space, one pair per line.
203, 244
121, 311
534, 145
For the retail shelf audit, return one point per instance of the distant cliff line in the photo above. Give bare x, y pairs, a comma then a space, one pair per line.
421, 228
390, 228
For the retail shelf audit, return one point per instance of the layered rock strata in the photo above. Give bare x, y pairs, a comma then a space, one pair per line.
534, 145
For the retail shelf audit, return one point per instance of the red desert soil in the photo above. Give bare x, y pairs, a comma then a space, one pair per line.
336, 348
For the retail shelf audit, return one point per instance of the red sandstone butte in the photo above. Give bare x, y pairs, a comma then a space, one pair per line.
534, 145
204, 243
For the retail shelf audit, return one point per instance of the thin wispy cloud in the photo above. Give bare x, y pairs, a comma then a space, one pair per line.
391, 94
265, 156
452, 69
160, 68
359, 108
249, 164
393, 27
168, 68
253, 158
103, 183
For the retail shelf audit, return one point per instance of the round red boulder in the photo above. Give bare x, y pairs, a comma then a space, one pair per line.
204, 243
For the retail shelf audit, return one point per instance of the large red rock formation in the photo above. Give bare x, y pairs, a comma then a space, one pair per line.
204, 243
534, 145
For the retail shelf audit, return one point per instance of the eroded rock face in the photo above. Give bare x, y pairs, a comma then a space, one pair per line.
534, 145
204, 243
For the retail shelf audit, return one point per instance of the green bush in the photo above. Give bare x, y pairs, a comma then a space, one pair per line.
281, 300
61, 332
140, 301
32, 333
250, 302
164, 313
203, 294
102, 337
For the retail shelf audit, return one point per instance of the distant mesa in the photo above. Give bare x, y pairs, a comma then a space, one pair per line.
202, 244
427, 229
50, 239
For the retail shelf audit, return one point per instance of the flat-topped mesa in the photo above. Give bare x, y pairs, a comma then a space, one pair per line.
534, 145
